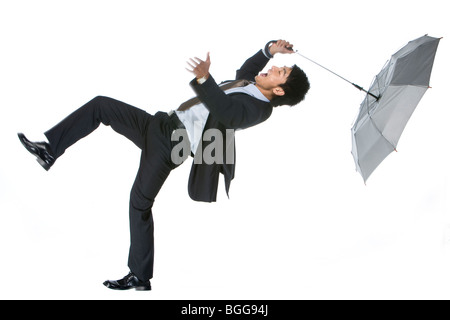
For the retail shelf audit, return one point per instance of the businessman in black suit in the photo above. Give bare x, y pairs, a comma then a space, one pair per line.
242, 105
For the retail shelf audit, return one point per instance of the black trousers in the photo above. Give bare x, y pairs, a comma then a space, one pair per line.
152, 134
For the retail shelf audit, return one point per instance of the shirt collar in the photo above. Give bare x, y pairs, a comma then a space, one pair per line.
251, 90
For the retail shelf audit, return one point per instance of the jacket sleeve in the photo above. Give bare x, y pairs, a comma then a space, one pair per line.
238, 111
252, 67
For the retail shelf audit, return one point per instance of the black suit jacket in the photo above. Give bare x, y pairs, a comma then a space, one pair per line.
234, 111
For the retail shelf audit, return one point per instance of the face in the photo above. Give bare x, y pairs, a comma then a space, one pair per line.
273, 78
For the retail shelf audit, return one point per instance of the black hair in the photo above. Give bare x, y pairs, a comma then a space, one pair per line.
295, 89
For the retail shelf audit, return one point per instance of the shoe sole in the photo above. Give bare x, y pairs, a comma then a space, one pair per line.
143, 289
106, 284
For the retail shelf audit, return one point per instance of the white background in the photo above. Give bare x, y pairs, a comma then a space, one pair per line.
300, 223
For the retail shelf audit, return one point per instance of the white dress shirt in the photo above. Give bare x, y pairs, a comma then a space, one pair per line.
194, 119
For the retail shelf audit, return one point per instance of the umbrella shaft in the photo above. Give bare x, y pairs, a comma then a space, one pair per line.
355, 85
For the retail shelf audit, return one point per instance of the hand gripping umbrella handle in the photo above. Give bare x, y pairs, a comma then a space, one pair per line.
267, 48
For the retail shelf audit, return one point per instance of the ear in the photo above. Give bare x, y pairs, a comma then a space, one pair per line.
278, 91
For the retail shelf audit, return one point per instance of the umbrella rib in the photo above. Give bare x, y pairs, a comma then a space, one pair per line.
381, 133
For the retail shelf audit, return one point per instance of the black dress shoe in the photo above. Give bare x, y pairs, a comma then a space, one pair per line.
41, 150
129, 282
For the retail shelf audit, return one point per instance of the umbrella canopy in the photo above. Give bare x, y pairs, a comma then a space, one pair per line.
393, 96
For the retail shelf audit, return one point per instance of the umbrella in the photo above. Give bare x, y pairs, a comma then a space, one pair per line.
392, 98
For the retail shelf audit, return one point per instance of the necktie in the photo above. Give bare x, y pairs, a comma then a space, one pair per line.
224, 87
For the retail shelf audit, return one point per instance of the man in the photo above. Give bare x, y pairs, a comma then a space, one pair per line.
236, 108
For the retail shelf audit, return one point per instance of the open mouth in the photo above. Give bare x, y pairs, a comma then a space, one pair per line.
263, 75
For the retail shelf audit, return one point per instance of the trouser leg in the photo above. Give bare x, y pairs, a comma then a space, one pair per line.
149, 180
127, 120
154, 169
